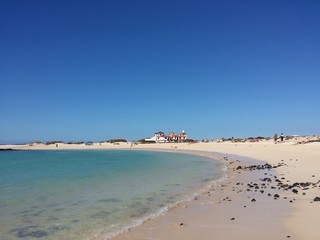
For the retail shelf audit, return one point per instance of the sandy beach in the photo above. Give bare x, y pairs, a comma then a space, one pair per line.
158, 82
270, 192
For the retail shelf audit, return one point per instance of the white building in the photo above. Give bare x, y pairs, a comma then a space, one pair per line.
160, 137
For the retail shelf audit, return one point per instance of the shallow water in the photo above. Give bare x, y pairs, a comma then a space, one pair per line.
94, 194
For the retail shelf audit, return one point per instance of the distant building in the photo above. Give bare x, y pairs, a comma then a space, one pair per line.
157, 137
160, 137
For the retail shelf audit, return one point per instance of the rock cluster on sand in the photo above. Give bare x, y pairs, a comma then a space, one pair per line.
278, 184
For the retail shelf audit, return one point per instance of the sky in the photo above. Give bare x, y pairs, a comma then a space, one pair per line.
98, 70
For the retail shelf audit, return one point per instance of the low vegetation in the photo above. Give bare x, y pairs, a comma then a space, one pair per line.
116, 140
53, 142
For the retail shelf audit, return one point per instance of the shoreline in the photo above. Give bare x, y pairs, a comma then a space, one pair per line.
228, 212
213, 210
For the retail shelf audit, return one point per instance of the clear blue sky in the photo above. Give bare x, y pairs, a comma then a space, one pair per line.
96, 70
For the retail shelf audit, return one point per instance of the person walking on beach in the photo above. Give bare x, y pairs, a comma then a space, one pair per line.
275, 137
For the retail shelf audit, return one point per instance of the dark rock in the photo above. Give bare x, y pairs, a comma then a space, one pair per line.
295, 191
181, 224
276, 196
305, 184
253, 200
232, 219
316, 199
296, 184
266, 179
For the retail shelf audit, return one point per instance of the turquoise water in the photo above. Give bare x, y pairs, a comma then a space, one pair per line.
77, 194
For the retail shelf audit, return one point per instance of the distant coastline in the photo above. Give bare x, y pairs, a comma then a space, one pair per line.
123, 143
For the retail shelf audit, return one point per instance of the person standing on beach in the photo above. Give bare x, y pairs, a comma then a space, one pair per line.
281, 137
275, 137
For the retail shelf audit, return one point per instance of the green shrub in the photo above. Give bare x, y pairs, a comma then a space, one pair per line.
143, 141
116, 140
53, 142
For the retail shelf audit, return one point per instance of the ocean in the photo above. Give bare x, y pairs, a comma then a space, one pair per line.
94, 194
